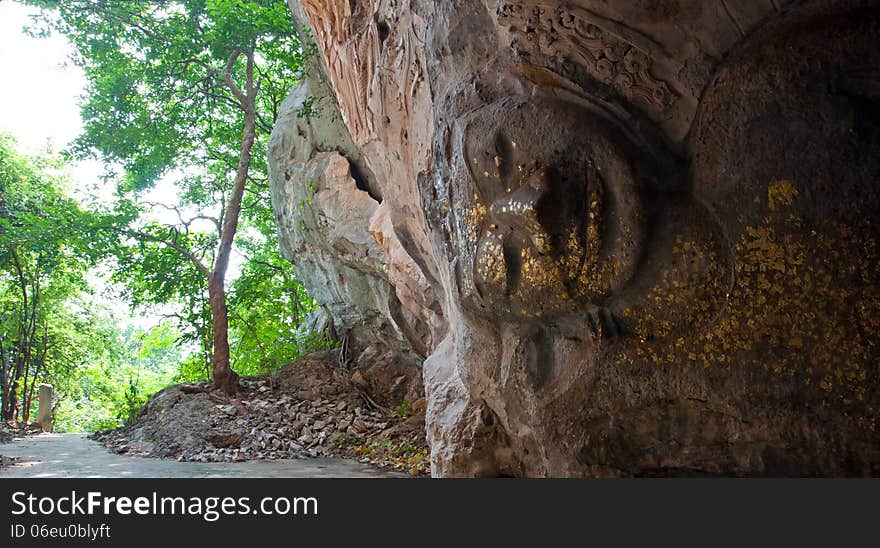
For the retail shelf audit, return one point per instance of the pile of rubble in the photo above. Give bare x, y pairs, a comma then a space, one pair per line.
307, 409
4, 437
12, 429
15, 429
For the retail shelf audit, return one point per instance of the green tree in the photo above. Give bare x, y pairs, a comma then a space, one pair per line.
268, 305
124, 366
47, 244
189, 87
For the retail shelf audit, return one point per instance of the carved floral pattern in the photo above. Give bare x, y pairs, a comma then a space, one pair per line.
559, 33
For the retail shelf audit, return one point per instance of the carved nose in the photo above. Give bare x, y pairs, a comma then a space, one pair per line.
518, 208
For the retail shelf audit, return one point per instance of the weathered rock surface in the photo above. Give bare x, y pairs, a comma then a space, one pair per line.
323, 215
631, 238
325, 204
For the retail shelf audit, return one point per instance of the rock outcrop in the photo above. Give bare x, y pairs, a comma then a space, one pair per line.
627, 238
325, 202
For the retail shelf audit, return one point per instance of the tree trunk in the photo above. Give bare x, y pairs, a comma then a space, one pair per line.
224, 377
38, 366
4, 380
12, 410
26, 326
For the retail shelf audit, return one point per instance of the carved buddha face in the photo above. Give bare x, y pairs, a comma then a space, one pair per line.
743, 278
556, 219
567, 215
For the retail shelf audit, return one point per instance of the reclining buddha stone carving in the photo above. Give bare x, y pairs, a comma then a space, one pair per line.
639, 252
569, 218
652, 227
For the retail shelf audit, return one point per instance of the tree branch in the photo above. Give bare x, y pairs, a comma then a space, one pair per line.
230, 83
175, 246
188, 221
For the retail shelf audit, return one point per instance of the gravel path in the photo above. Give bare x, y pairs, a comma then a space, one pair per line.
76, 456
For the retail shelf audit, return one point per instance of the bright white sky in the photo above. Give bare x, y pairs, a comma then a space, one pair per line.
39, 104
39, 101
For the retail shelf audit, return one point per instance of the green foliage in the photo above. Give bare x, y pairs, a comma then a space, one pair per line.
193, 369
164, 99
47, 245
267, 304
152, 274
168, 95
402, 411
308, 109
157, 97
128, 367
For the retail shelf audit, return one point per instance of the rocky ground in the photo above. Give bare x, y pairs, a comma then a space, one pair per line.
10, 430
4, 437
309, 408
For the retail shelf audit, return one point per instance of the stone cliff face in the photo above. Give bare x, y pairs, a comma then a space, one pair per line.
325, 202
617, 237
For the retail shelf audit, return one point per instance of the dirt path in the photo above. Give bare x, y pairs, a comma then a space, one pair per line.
75, 456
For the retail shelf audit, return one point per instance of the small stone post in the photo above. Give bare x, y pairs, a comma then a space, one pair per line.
47, 401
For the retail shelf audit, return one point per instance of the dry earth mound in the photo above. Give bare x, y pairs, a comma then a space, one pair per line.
308, 408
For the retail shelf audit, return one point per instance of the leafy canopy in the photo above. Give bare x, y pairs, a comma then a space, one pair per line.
48, 243
164, 97
157, 97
